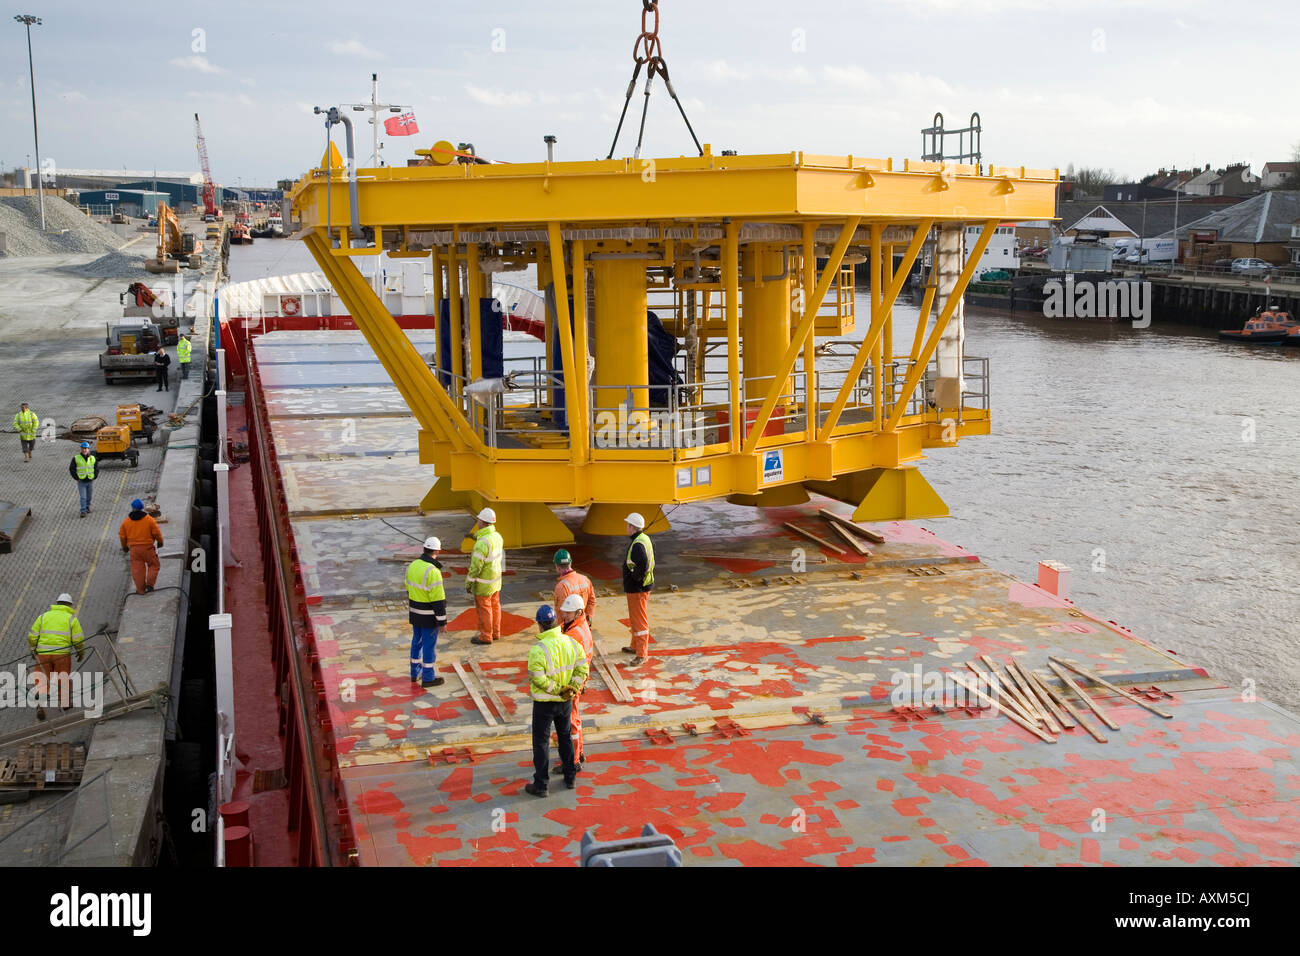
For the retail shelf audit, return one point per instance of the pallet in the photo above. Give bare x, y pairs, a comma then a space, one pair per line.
44, 767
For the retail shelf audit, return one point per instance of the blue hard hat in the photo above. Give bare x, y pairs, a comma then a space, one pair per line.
85, 444
545, 614
137, 504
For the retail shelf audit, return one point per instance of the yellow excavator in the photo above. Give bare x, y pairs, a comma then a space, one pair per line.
174, 246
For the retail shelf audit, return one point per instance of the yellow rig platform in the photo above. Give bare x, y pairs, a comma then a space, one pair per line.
747, 262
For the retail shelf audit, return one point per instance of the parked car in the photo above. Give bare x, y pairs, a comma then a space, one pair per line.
1252, 267
1224, 264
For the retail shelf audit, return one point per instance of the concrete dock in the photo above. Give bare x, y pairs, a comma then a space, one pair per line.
52, 329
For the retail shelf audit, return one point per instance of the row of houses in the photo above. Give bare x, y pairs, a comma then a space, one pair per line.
1265, 226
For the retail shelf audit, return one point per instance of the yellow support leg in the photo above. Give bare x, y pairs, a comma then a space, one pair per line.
884, 494
607, 518
441, 498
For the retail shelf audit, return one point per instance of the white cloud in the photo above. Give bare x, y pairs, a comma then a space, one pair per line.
854, 78
354, 48
723, 71
196, 62
497, 98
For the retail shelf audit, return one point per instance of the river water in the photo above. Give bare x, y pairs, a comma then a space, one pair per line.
1160, 464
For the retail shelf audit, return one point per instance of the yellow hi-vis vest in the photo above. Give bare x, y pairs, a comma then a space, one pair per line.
183, 349
56, 631
484, 576
554, 661
643, 539
425, 594
26, 423
85, 467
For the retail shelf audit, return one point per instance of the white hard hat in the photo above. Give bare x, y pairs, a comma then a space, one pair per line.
432, 544
64, 598
635, 520
488, 515
573, 602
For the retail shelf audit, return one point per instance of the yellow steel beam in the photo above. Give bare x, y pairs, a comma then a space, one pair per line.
581, 453
797, 186
572, 403
878, 313
473, 295
801, 333
811, 405
454, 318
731, 292
949, 307
877, 323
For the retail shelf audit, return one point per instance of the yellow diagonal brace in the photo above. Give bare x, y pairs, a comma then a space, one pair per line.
877, 325
572, 399
949, 307
412, 377
811, 307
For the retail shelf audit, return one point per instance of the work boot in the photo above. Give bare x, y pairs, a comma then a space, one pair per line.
637, 661
148, 588
570, 782
475, 640
436, 682
83, 514
535, 790
629, 650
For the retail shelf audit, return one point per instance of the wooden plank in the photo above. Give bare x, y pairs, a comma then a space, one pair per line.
1005, 682
1053, 725
1004, 699
613, 679
1083, 721
850, 539
1032, 728
1061, 718
473, 693
1069, 682
1119, 690
1049, 697
477, 668
852, 526
812, 537
1031, 703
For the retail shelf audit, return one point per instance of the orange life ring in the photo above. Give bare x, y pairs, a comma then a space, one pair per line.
291, 305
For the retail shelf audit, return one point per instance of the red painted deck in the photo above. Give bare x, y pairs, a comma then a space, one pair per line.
418, 777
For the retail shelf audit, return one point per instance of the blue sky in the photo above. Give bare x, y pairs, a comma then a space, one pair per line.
1129, 85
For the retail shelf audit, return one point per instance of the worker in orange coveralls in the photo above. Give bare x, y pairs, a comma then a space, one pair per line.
574, 623
638, 582
139, 535
569, 581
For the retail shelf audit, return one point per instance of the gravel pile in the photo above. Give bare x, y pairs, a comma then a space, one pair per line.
110, 266
67, 229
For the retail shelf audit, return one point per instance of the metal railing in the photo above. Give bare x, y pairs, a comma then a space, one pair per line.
684, 418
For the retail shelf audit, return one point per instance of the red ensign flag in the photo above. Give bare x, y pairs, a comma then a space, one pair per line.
403, 125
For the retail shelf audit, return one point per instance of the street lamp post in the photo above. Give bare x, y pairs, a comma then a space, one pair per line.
27, 20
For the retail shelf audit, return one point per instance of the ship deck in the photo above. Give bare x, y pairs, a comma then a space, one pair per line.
762, 730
